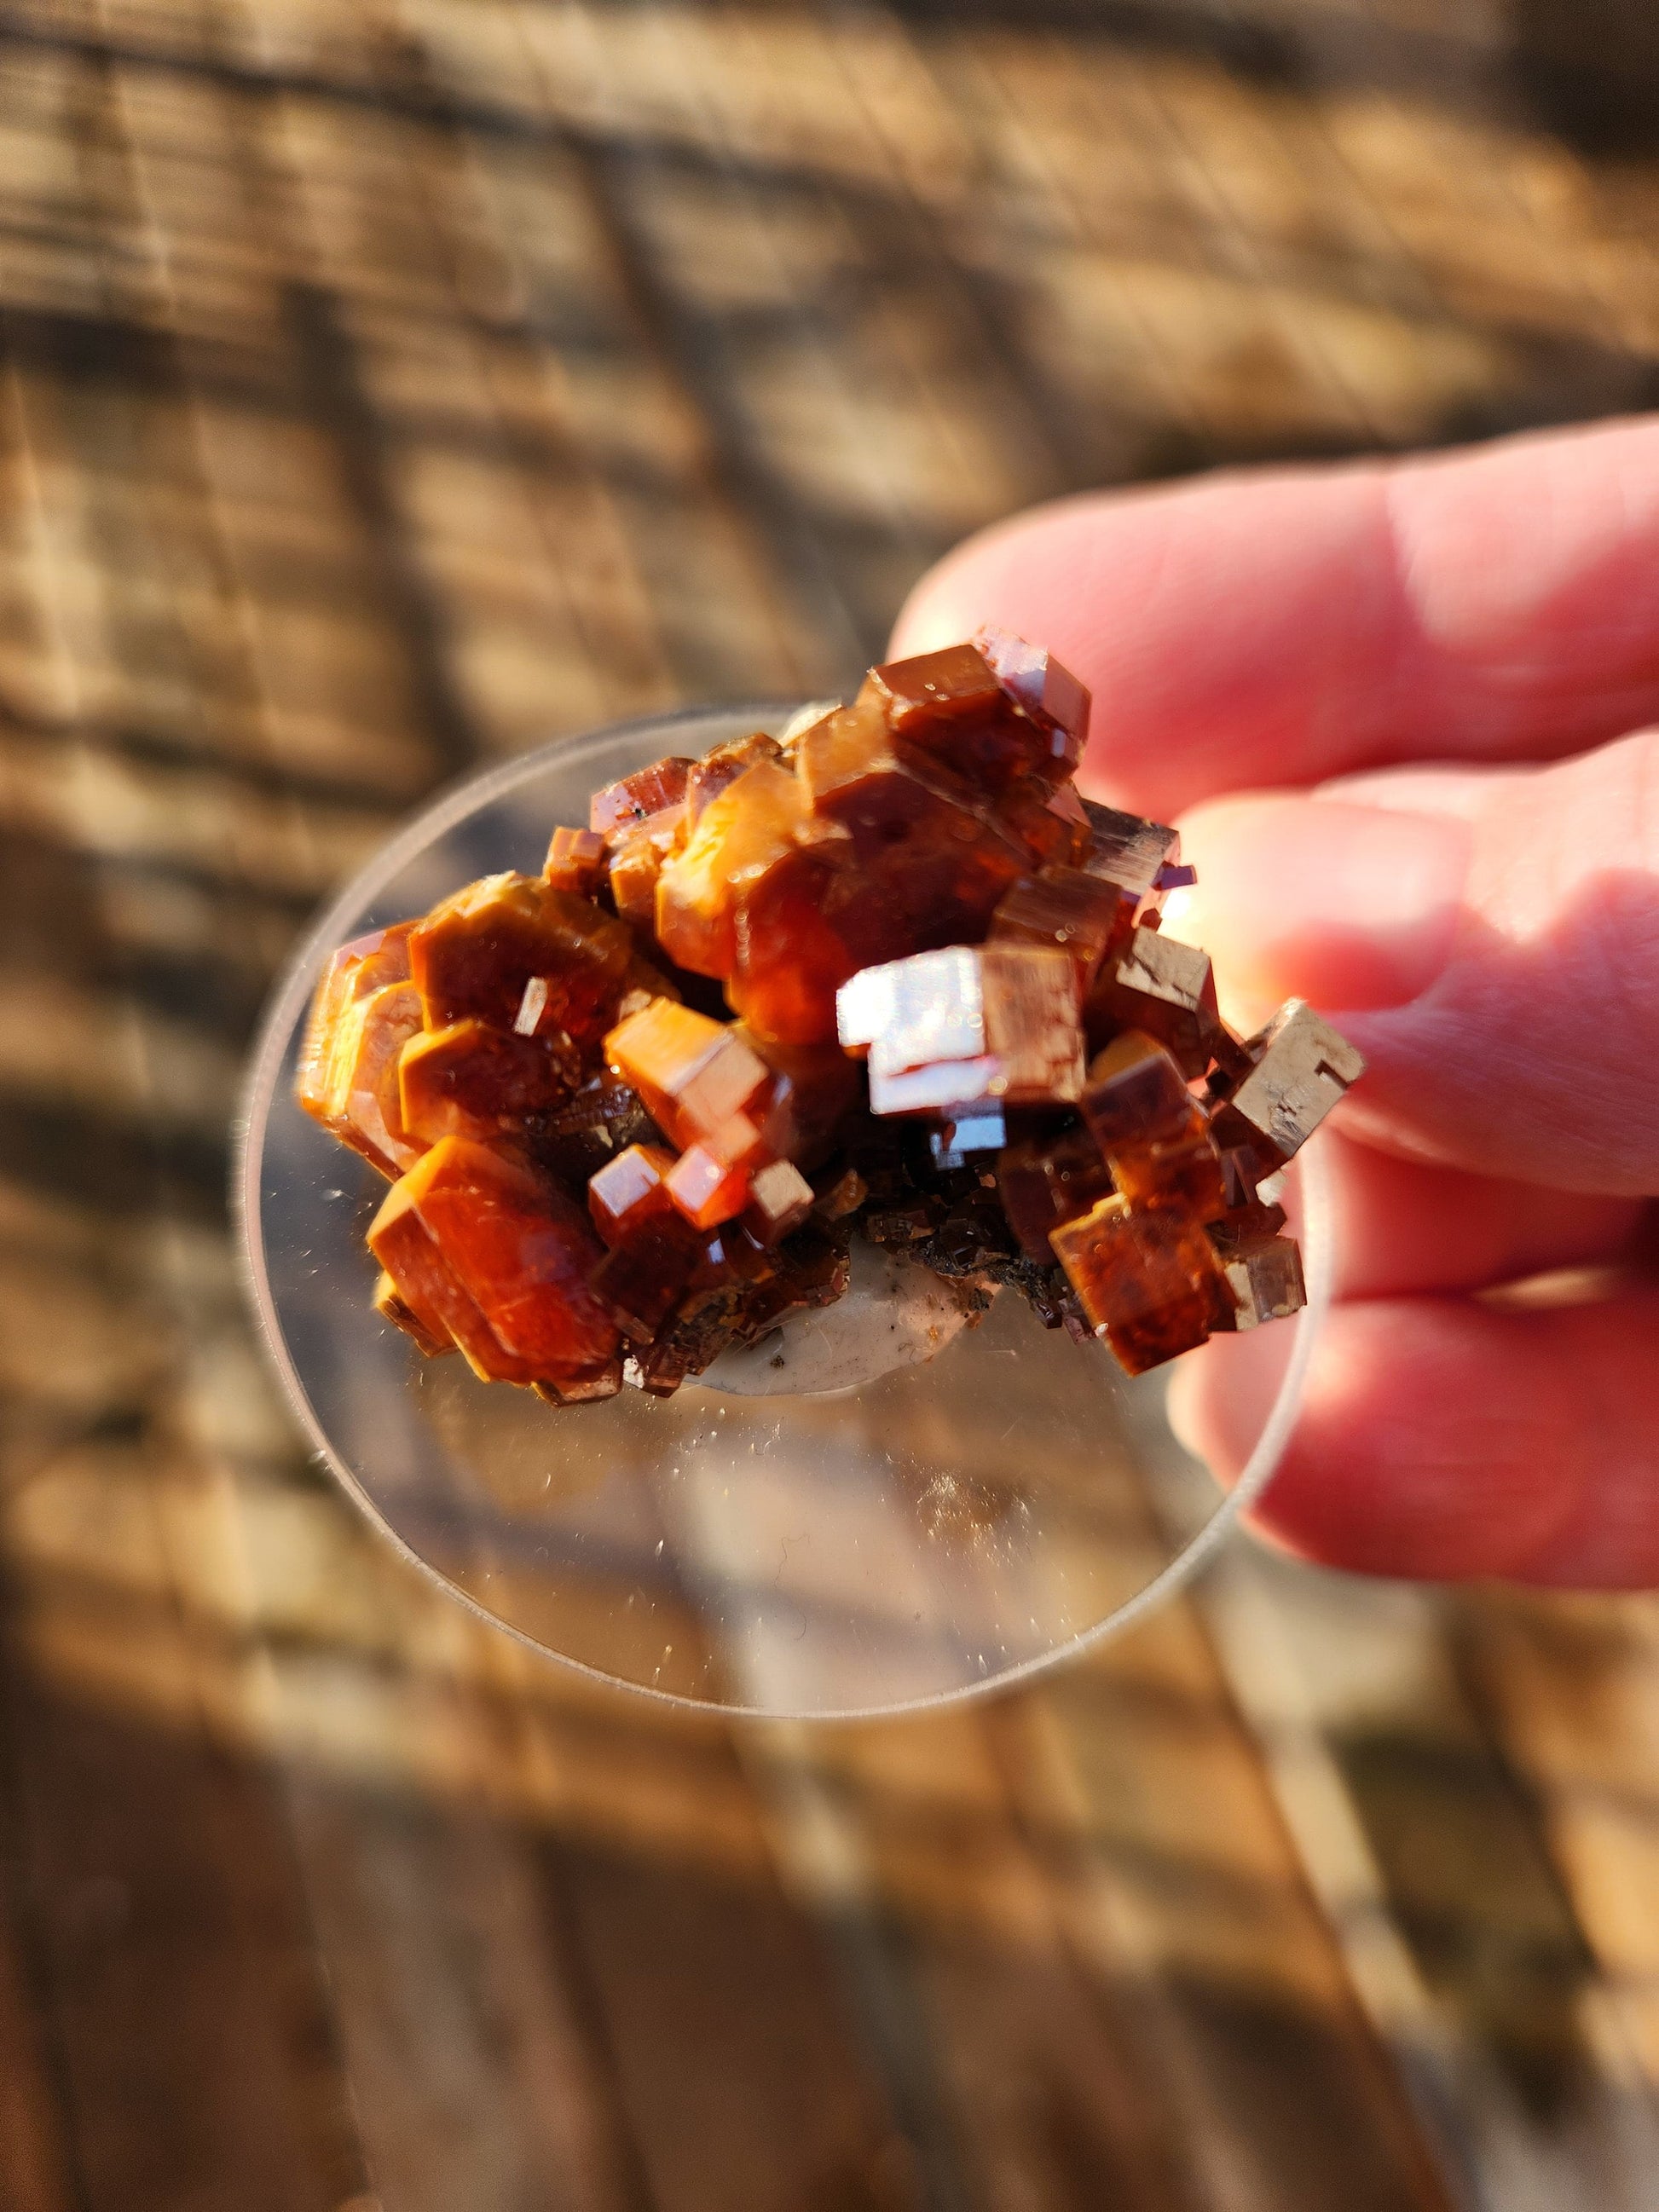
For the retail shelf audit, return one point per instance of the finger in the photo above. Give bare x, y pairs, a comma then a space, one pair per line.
1279, 629
1442, 1439
1400, 1225
1497, 963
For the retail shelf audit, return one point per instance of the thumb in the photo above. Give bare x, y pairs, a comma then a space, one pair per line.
1490, 940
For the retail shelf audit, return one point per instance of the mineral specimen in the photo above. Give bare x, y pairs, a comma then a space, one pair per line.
1085, 915
484, 1248
1166, 989
476, 953
887, 974
1299, 1067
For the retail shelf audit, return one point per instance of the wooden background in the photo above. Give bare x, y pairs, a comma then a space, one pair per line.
387, 384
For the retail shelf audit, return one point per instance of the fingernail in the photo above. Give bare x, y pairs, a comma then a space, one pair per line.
1352, 906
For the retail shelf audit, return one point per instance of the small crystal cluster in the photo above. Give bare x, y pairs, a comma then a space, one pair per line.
891, 975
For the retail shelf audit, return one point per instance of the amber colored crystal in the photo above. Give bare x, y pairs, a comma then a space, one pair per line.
367, 963
854, 774
693, 1075
638, 856
752, 824
334, 1036
1046, 1182
623, 806
1032, 1008
1154, 1132
376, 1032
501, 1256
427, 1330
1128, 849
1081, 914
956, 684
1262, 1270
641, 1278
1049, 825
351, 1083
1048, 693
1299, 1067
813, 1086
721, 767
575, 862
780, 1199
470, 1080
841, 1191
950, 708
801, 930
630, 1190
1165, 988
476, 953
423, 1281
585, 1390
940, 860
1148, 1282
710, 1181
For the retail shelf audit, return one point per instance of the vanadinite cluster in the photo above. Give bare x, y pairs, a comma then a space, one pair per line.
888, 975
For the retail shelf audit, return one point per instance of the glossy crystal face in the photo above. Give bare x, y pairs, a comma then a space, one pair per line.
887, 982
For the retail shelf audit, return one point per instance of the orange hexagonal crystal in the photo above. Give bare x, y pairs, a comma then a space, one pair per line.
630, 1190
501, 1256
1149, 1283
472, 1080
623, 806
476, 953
1088, 918
692, 1073
351, 1083
719, 768
367, 963
575, 862
1155, 1133
811, 922
751, 823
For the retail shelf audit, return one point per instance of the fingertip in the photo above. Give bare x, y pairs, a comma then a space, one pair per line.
1432, 1442
1017, 574
1350, 906
1221, 1395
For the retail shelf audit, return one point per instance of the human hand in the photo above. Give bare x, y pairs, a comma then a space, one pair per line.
1386, 703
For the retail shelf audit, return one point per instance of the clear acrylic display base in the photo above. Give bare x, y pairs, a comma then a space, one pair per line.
861, 1530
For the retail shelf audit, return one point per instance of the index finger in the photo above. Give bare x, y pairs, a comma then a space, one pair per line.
1499, 604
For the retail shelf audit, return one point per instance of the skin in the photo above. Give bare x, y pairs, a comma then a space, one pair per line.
1401, 713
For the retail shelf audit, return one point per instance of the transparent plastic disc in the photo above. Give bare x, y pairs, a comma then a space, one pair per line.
776, 1538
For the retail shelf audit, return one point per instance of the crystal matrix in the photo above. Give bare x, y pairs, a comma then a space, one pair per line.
887, 974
